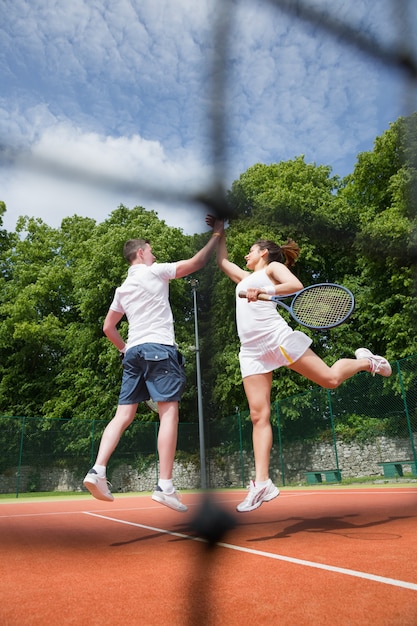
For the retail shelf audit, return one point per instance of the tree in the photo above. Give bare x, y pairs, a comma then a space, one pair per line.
34, 302
381, 192
5, 240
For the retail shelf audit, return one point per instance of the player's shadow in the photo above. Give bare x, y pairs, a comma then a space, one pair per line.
211, 523
327, 525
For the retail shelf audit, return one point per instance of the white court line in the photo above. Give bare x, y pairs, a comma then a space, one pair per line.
52, 513
269, 555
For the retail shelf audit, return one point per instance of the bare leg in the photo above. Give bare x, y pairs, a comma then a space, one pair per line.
124, 416
258, 393
167, 445
311, 366
167, 437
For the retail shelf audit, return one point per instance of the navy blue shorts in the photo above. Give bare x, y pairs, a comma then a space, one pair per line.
152, 370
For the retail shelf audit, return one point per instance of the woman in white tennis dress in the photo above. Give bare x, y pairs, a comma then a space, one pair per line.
268, 342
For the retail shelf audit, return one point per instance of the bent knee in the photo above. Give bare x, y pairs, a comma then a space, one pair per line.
260, 418
332, 383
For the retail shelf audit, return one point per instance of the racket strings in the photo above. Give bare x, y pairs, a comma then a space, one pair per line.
322, 306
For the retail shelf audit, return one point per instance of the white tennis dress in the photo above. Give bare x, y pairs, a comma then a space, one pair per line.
267, 341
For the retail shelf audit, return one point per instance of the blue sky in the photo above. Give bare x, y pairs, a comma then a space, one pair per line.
121, 89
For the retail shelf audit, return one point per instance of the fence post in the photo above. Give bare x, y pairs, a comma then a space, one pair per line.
407, 415
281, 457
156, 424
92, 442
242, 465
19, 466
329, 401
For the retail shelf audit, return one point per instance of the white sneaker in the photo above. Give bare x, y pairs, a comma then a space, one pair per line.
257, 495
379, 365
172, 500
98, 486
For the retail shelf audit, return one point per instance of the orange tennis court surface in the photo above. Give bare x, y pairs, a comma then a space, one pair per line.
332, 556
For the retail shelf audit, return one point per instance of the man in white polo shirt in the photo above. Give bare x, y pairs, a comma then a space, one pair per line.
152, 365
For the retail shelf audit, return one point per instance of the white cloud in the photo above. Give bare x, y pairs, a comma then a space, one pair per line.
129, 161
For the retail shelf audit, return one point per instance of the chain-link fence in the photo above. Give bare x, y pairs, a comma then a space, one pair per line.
366, 427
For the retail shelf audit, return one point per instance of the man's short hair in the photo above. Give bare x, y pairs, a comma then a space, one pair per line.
131, 248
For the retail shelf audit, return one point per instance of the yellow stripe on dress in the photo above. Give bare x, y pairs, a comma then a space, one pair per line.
286, 355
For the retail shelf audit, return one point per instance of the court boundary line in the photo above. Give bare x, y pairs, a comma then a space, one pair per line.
278, 557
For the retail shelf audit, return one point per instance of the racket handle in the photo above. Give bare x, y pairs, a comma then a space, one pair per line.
261, 296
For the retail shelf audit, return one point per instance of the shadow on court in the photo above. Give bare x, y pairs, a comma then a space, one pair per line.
328, 524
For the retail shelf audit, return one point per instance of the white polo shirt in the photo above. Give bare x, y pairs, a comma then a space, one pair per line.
144, 298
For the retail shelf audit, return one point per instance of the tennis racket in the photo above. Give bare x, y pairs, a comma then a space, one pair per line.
320, 306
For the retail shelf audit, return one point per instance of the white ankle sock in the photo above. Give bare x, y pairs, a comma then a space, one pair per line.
100, 469
166, 485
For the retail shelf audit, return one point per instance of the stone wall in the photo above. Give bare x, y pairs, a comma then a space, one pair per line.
355, 460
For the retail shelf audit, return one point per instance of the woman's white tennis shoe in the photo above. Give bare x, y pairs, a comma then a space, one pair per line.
379, 365
257, 495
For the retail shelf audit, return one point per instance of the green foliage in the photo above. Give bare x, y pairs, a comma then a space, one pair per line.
360, 428
381, 192
55, 289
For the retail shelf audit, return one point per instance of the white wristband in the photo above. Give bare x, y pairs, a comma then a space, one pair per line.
269, 289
